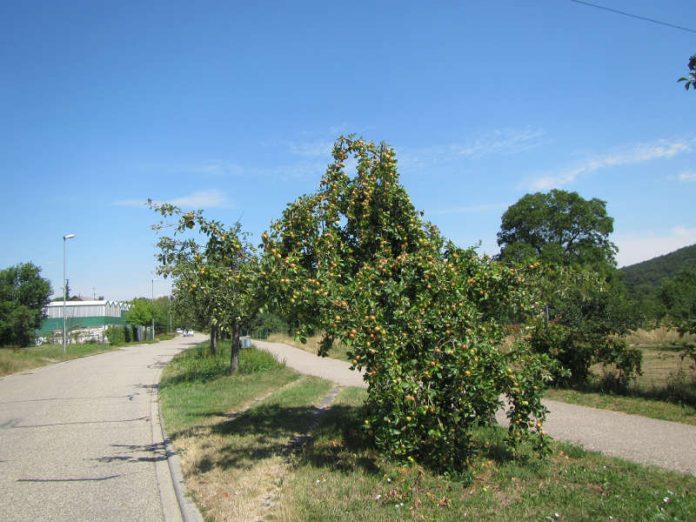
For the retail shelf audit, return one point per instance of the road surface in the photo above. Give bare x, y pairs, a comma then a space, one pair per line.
81, 440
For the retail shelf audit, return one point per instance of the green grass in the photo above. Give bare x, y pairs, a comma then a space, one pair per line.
633, 405
195, 387
14, 360
242, 460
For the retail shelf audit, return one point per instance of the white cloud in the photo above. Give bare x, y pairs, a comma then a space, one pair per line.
632, 155
687, 177
216, 168
312, 149
637, 248
198, 199
471, 209
502, 141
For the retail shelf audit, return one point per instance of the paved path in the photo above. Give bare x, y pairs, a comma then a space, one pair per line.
669, 445
81, 440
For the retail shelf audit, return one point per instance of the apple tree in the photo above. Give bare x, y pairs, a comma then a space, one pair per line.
216, 279
355, 261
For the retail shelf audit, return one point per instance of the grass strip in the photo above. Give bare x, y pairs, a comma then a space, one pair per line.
340, 477
627, 404
14, 360
239, 466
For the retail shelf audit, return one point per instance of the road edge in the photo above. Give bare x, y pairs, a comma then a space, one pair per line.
170, 479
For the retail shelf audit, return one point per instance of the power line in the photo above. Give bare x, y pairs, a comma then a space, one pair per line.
631, 15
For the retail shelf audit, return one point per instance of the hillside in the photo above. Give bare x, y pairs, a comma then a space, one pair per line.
646, 276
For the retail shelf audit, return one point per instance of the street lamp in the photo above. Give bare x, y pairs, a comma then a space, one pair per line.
152, 309
65, 289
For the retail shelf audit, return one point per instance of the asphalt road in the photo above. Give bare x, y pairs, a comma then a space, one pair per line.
81, 440
669, 445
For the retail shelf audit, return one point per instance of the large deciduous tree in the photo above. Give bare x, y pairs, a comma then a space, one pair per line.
558, 227
587, 309
23, 296
355, 261
217, 278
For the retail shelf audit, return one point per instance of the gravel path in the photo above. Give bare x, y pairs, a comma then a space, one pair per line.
81, 440
665, 444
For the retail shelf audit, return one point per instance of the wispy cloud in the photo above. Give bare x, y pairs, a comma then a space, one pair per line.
636, 154
471, 209
197, 199
312, 149
687, 177
501, 141
636, 248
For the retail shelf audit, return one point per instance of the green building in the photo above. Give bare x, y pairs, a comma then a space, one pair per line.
84, 320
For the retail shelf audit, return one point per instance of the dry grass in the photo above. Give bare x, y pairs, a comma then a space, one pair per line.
15, 360
657, 337
338, 351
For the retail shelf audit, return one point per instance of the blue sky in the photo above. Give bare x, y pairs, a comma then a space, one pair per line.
233, 106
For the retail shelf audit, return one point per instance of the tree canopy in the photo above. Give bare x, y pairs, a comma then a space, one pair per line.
355, 261
23, 296
558, 227
216, 279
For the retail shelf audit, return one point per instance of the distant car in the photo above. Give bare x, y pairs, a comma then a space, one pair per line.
179, 331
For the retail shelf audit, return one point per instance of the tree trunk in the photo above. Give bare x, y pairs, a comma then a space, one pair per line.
234, 352
213, 339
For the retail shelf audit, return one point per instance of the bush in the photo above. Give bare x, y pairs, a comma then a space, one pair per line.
580, 328
115, 336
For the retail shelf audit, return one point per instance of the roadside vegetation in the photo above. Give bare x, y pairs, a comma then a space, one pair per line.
14, 360
440, 332
259, 445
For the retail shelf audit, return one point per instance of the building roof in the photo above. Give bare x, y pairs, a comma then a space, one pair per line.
86, 303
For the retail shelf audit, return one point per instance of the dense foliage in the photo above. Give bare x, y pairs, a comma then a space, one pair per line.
557, 227
587, 308
584, 325
355, 261
23, 296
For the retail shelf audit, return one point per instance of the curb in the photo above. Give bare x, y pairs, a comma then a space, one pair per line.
189, 510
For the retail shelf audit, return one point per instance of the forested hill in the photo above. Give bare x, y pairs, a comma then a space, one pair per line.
648, 275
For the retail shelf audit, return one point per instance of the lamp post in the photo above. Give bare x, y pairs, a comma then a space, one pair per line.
152, 309
65, 289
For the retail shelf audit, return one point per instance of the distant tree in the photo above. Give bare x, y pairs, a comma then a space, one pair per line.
217, 278
140, 312
690, 79
558, 227
23, 296
678, 296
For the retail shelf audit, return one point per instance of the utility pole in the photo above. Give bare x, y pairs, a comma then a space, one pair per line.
65, 289
152, 309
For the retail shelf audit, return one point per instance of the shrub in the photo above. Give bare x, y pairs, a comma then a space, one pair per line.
579, 329
115, 336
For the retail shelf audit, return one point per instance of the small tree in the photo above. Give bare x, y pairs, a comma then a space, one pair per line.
356, 262
582, 325
23, 296
217, 278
